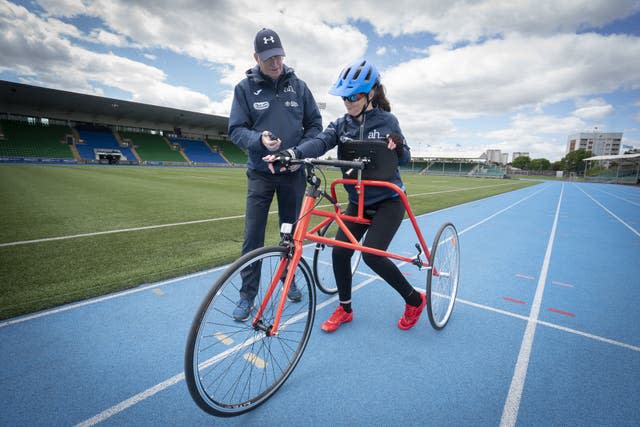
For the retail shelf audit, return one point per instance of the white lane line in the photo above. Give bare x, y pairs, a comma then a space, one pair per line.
610, 213
102, 416
618, 197
501, 211
133, 400
458, 189
104, 298
512, 404
551, 325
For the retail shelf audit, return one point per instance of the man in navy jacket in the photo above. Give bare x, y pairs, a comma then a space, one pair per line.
272, 110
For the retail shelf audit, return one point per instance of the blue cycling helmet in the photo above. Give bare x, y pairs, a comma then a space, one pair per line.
358, 77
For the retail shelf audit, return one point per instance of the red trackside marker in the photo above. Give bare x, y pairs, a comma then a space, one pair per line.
513, 300
564, 313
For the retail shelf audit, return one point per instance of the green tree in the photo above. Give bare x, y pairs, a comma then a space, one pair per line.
540, 165
574, 161
521, 162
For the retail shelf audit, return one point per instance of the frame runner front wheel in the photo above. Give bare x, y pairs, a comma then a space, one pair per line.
443, 275
232, 367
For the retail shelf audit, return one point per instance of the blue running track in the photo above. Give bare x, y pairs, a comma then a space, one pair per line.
545, 331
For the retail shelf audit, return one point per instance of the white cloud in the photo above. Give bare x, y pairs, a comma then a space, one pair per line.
593, 109
471, 20
502, 75
523, 56
108, 38
46, 58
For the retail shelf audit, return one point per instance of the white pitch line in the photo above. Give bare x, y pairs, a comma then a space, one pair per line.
122, 230
176, 224
512, 404
177, 279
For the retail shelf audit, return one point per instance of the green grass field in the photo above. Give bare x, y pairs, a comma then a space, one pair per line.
45, 202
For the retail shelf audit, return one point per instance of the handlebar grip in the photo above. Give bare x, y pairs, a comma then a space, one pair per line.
336, 163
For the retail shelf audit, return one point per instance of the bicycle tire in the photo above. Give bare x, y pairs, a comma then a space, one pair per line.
322, 271
230, 366
442, 287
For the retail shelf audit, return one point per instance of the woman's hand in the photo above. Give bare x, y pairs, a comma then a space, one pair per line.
395, 142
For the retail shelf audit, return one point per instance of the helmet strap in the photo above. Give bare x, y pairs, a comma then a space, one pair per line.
364, 108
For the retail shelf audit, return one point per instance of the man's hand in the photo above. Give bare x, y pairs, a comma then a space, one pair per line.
281, 161
270, 141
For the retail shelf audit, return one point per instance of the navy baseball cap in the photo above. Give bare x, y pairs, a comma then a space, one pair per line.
267, 44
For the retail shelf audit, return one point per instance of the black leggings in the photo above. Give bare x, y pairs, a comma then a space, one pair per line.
384, 224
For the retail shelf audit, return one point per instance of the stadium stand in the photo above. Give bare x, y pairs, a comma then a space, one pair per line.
197, 151
21, 139
490, 171
95, 142
615, 169
445, 168
232, 153
152, 148
415, 165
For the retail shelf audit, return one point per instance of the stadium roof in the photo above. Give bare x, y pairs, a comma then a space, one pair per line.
615, 157
33, 101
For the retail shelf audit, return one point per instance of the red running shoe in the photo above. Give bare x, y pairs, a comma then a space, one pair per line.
337, 318
412, 314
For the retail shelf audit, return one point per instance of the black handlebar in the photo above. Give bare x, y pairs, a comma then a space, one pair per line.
355, 164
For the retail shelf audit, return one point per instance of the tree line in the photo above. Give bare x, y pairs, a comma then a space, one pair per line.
572, 162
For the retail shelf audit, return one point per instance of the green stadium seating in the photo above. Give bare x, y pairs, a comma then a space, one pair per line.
34, 140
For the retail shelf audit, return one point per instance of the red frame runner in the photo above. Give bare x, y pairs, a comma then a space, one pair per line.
302, 233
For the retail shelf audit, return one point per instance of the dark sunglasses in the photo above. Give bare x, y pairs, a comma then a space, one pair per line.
353, 98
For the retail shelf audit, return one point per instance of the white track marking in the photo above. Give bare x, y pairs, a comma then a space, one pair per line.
618, 197
512, 404
102, 416
370, 278
104, 298
611, 213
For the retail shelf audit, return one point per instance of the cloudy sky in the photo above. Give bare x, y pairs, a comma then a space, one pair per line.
462, 76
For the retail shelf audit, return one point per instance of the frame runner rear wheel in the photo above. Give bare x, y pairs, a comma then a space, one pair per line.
322, 270
443, 275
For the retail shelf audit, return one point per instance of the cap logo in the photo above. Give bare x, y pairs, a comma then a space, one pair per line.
268, 39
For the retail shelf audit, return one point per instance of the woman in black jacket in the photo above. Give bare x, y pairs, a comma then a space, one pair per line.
368, 117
